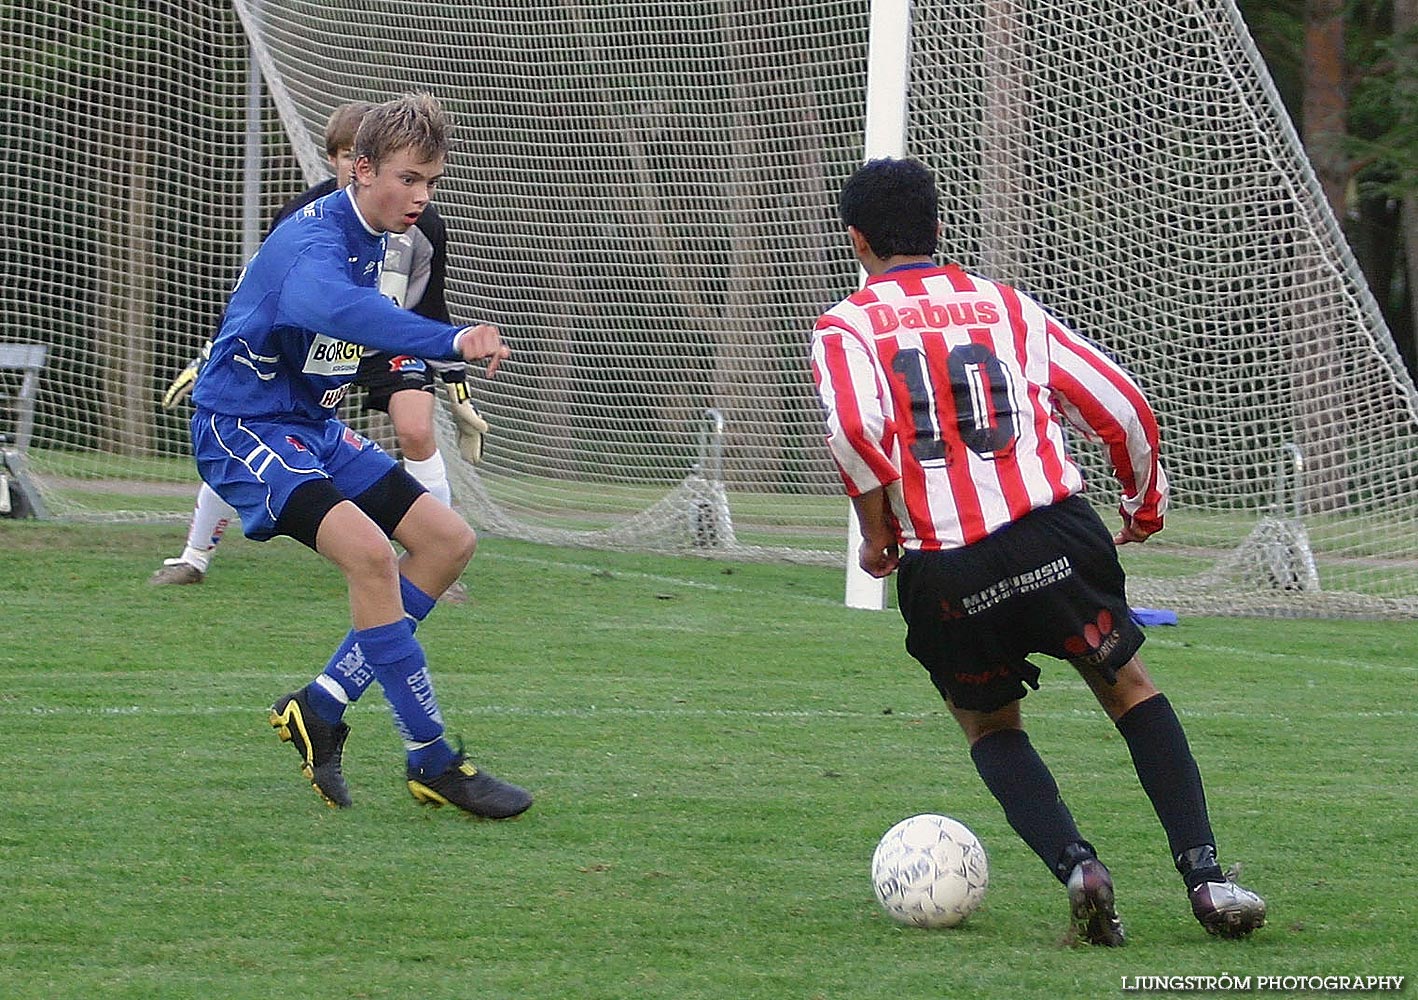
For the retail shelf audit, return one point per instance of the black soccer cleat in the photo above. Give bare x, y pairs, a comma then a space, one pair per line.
1090, 899
319, 743
1226, 909
471, 790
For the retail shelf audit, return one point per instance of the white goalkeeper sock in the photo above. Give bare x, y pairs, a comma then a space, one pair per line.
209, 522
433, 474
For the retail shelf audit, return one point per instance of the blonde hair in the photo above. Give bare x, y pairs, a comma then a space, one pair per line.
342, 125
415, 122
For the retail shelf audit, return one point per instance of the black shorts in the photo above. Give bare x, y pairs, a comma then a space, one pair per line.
385, 502
1049, 583
382, 375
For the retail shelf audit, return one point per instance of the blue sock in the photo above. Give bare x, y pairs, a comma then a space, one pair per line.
417, 604
398, 663
342, 681
348, 674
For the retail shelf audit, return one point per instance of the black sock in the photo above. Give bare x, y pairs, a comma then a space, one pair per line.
1199, 865
1170, 777
1016, 776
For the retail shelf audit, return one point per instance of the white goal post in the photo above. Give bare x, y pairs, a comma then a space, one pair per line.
642, 195
884, 134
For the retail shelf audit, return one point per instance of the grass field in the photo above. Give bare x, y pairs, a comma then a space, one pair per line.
715, 750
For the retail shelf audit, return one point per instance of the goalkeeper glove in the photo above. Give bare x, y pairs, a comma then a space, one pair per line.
469, 422
181, 386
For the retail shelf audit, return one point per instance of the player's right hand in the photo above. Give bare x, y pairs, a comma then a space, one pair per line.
469, 423
181, 386
483, 341
879, 558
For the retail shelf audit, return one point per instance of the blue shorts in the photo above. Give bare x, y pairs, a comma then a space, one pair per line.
255, 464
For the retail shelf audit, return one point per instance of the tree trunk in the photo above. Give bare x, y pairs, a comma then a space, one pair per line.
1324, 124
1405, 21
1326, 98
1004, 154
743, 346
125, 307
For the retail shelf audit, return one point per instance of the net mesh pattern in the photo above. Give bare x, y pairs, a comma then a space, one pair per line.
642, 195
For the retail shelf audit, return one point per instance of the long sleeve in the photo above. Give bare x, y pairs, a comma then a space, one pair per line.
852, 401
1099, 398
319, 295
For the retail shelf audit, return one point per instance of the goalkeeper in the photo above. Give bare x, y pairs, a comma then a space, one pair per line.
402, 386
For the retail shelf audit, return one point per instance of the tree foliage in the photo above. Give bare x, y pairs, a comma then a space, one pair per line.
1379, 143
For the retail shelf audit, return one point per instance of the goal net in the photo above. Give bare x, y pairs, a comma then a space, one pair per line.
642, 195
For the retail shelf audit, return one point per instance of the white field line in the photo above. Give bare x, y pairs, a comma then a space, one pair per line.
1242, 655
673, 581
1154, 636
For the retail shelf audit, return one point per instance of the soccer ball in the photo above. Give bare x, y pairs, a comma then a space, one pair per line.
929, 871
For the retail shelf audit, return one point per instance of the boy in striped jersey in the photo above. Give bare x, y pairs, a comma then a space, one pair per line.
942, 391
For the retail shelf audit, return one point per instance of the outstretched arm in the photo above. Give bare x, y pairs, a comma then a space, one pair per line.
319, 294
483, 341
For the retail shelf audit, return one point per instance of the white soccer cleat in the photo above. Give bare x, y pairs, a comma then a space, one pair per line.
177, 572
1226, 909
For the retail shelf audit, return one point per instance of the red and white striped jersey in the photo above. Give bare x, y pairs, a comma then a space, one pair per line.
945, 388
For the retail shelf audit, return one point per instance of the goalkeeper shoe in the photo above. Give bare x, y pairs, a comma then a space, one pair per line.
1090, 898
471, 790
320, 744
455, 594
1227, 909
176, 572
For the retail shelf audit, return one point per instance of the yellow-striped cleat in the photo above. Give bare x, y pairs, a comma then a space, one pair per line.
471, 790
320, 745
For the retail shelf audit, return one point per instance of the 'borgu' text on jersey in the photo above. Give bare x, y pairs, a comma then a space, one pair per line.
301, 315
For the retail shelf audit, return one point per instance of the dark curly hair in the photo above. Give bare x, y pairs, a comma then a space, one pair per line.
894, 204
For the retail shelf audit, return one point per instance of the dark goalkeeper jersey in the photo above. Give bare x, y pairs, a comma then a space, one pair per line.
304, 308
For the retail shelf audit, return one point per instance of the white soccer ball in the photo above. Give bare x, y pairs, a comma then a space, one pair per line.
929, 871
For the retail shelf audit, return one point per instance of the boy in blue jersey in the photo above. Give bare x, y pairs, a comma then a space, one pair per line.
266, 438
413, 274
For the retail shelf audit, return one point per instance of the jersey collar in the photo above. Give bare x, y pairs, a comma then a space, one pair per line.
891, 273
359, 215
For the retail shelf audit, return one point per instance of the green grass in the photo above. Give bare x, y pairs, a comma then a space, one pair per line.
110, 466
715, 750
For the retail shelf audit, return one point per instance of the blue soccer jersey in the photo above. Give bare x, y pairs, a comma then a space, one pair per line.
302, 312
